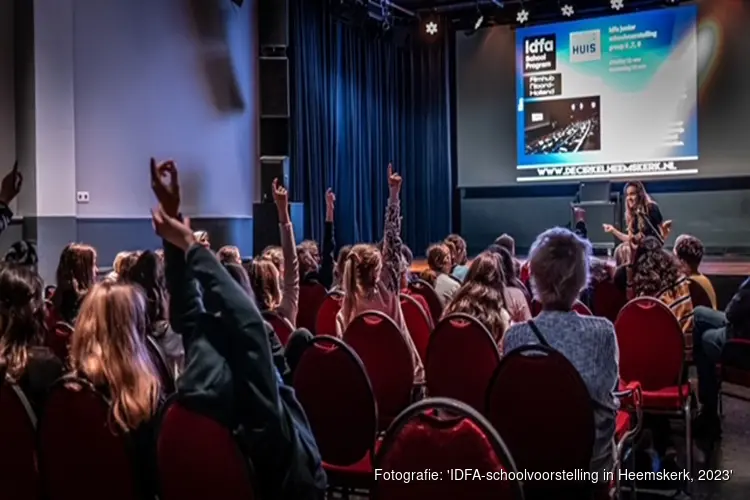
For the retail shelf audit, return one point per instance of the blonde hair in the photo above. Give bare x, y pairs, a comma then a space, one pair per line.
361, 278
229, 254
265, 281
559, 263
117, 263
274, 255
108, 348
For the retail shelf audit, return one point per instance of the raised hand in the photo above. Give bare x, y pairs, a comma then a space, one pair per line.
281, 198
394, 182
166, 186
608, 228
11, 185
172, 229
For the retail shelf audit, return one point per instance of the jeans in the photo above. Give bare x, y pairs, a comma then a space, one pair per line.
709, 337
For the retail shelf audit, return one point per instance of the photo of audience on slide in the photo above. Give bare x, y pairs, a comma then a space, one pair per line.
562, 126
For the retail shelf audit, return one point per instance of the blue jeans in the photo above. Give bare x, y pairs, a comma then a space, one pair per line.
709, 337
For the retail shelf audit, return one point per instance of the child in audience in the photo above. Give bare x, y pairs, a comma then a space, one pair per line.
689, 250
313, 269
516, 296
27, 362
229, 254
406, 260
229, 371
372, 280
265, 278
202, 238
482, 295
274, 255
116, 272
438, 271
76, 274
338, 271
559, 272
507, 242
458, 256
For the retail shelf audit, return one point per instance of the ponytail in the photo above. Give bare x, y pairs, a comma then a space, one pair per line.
350, 285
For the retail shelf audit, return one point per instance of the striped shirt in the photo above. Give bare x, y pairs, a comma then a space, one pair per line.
677, 298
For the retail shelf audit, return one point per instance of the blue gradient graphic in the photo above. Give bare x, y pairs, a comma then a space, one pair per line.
672, 26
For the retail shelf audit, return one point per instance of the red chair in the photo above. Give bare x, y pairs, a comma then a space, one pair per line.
387, 359
311, 296
162, 366
280, 325
82, 454
698, 295
58, 339
461, 358
608, 300
421, 287
652, 352
19, 476
444, 437
325, 322
539, 403
198, 458
735, 367
332, 387
418, 322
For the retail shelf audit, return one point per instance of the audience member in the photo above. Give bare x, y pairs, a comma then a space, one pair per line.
438, 271
689, 250
117, 265
229, 254
458, 256
202, 238
482, 295
559, 272
341, 260
507, 242
516, 295
313, 268
76, 274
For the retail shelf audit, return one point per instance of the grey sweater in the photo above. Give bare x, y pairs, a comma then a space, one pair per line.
589, 343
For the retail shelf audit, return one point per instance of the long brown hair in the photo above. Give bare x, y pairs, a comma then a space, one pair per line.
458, 250
482, 294
148, 273
361, 278
438, 262
265, 281
21, 316
642, 203
108, 348
76, 274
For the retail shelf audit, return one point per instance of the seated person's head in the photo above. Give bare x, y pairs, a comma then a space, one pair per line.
507, 262
623, 254
654, 268
148, 274
689, 250
108, 348
159, 252
458, 249
238, 274
275, 255
76, 274
361, 277
22, 253
482, 294
126, 264
265, 281
506, 241
338, 271
439, 258
308, 264
201, 237
229, 254
559, 266
600, 271
312, 248
21, 316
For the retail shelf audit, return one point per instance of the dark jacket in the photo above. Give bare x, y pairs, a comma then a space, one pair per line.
324, 276
230, 375
738, 312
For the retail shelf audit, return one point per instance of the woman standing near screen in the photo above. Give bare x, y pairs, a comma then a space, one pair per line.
642, 217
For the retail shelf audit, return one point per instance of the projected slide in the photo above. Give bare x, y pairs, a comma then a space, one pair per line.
608, 97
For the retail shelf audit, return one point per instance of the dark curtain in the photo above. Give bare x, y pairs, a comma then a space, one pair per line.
359, 101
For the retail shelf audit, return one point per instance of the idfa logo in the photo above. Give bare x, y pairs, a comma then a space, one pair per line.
543, 45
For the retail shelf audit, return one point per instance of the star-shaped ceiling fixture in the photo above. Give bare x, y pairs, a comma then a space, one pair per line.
567, 10
431, 28
617, 4
522, 16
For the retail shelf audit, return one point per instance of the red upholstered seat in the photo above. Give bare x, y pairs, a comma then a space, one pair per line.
311, 296
667, 399
58, 339
440, 435
582, 308
280, 325
608, 300
461, 358
421, 287
19, 476
197, 458
325, 322
387, 359
332, 387
77, 440
418, 322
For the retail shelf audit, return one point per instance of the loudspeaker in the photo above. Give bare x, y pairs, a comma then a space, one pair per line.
274, 137
274, 87
272, 167
266, 225
273, 23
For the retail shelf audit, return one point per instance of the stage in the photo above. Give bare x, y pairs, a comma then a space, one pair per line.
726, 273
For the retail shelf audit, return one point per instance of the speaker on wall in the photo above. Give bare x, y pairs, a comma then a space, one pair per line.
274, 86
272, 167
273, 23
266, 225
274, 137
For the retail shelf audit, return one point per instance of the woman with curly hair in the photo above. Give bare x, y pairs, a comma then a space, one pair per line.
689, 250
656, 273
482, 295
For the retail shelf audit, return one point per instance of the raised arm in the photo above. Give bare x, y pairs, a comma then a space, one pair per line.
329, 243
9, 189
391, 274
290, 287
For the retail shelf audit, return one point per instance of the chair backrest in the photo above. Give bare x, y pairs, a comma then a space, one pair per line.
19, 476
421, 287
280, 325
447, 437
325, 321
540, 405
198, 458
162, 366
651, 343
387, 359
311, 296
333, 388
82, 454
418, 322
582, 308
608, 300
461, 358
58, 339
698, 295
735, 362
